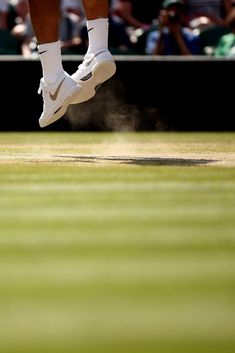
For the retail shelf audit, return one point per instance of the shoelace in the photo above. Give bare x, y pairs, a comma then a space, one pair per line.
41, 86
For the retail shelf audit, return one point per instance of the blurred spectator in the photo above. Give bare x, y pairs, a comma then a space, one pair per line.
73, 6
4, 6
8, 44
200, 14
119, 40
22, 28
72, 23
207, 18
136, 13
172, 37
138, 17
226, 44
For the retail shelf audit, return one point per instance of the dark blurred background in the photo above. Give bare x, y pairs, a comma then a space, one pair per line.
146, 93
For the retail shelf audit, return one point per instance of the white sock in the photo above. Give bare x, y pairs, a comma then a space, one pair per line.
51, 60
97, 34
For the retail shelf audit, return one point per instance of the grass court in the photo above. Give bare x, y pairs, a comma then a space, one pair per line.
117, 242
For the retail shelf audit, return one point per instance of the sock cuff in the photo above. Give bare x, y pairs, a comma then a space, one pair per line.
46, 46
98, 21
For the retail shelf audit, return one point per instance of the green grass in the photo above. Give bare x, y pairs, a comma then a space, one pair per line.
116, 243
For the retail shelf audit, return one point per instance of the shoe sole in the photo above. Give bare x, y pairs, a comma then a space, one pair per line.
101, 72
74, 94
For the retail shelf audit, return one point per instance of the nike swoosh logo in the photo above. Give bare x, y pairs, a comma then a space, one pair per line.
42, 52
87, 63
54, 96
90, 29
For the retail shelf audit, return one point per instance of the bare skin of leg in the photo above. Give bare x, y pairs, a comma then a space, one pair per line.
45, 16
96, 9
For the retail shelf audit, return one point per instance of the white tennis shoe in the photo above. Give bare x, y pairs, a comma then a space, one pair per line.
57, 97
92, 72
